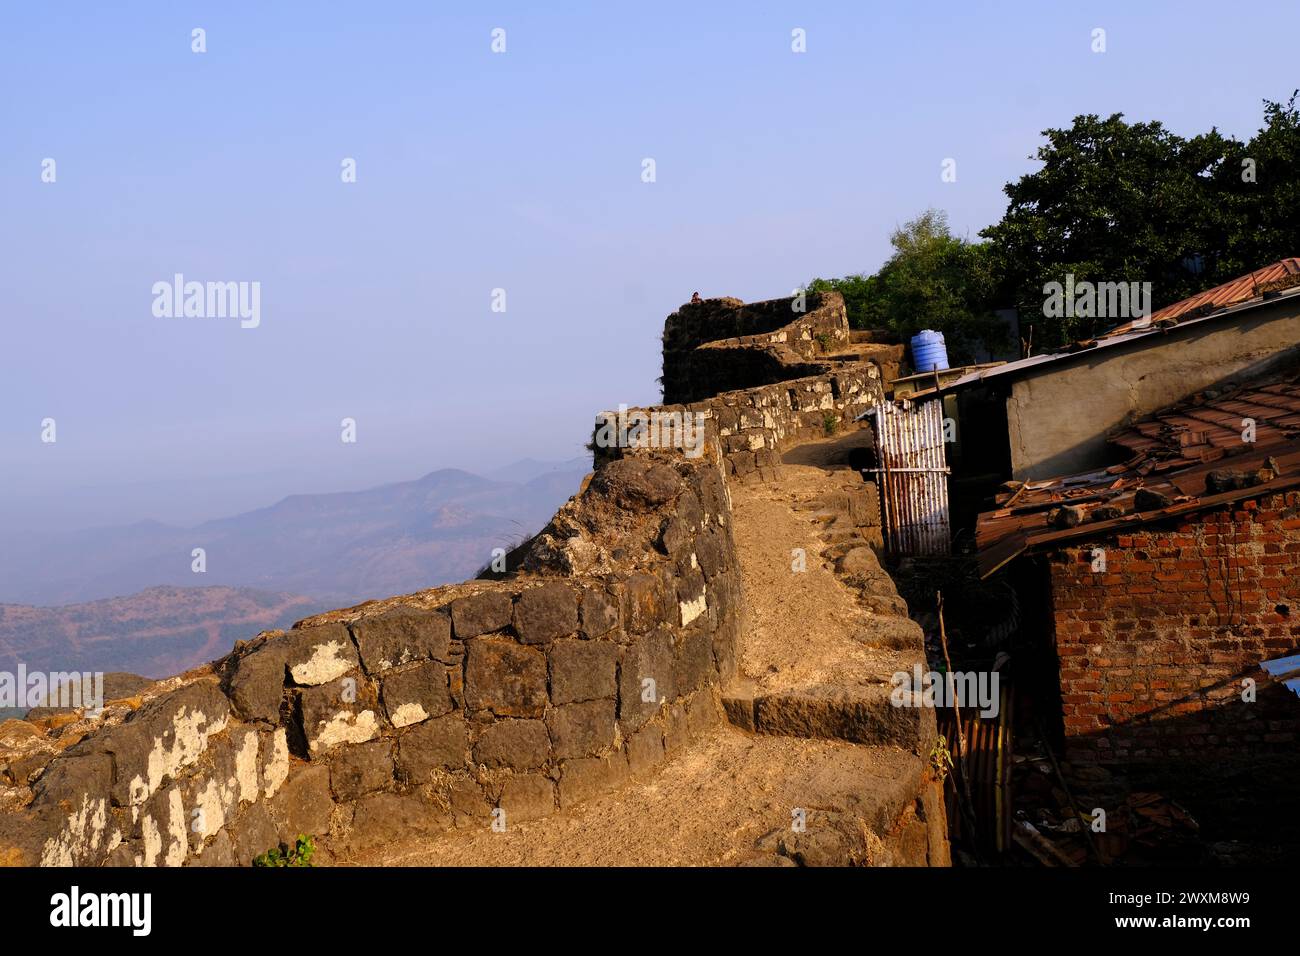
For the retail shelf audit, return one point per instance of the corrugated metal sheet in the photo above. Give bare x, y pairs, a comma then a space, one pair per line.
987, 765
912, 475
1286, 669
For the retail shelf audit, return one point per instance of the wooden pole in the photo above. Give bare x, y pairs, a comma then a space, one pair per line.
963, 764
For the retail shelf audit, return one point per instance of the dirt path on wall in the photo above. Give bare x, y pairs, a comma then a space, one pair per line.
729, 790
706, 806
804, 629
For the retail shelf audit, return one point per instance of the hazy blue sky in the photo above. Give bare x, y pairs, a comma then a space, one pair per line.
479, 171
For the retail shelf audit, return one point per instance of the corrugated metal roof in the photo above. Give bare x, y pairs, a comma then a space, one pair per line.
1286, 669
1174, 453
1242, 293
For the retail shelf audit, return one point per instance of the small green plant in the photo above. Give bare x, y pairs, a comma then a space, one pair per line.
824, 340
941, 758
284, 855
830, 423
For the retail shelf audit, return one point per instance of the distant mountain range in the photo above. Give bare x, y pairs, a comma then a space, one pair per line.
340, 548
126, 598
157, 632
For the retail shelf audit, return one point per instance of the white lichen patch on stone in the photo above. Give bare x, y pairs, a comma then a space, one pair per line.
151, 842
694, 608
188, 739
246, 767
178, 846
211, 803
345, 727
325, 664
408, 714
276, 769
80, 837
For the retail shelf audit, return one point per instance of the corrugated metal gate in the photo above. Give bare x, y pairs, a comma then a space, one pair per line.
912, 475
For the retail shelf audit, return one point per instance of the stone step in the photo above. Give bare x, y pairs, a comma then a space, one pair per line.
897, 802
863, 715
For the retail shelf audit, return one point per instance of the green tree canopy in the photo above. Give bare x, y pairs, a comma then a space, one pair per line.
1113, 201
1132, 202
933, 280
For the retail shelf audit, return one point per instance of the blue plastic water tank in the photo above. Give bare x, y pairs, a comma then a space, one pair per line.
928, 351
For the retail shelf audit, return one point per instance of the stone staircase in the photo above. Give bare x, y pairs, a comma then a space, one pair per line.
831, 678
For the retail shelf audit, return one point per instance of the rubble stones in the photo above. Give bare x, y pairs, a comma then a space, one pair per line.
1147, 500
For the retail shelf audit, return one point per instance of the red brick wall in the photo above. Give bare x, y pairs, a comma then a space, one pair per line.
1153, 650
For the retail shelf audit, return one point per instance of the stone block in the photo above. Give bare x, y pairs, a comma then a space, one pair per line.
402, 636
518, 744
439, 744
481, 613
644, 603
318, 655
252, 833
677, 732
599, 613
544, 613
363, 769
166, 736
392, 818
303, 806
469, 806
646, 678
711, 551
583, 670
528, 796
343, 711
257, 684
505, 678
584, 778
645, 749
580, 730
674, 537
416, 693
693, 664
220, 852
273, 755
692, 597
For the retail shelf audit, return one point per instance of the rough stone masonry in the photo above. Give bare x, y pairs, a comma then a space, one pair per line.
600, 656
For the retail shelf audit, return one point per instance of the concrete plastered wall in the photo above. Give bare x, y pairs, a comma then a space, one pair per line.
1057, 420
